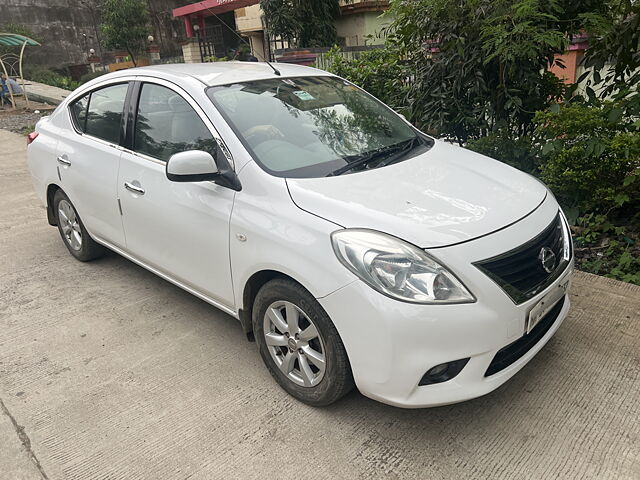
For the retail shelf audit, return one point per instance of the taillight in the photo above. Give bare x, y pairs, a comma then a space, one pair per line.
31, 137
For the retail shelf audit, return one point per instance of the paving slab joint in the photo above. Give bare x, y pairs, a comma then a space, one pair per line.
24, 439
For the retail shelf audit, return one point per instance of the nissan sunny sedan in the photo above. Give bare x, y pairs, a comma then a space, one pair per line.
354, 248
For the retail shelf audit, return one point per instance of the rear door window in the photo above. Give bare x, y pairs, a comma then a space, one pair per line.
104, 114
79, 112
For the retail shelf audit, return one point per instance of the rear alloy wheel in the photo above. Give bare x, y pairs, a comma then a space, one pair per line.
74, 235
69, 225
299, 343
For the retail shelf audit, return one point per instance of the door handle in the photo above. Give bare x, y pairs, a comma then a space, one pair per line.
62, 160
134, 188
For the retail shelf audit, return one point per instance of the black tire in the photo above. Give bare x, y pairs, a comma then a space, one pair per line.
337, 379
89, 248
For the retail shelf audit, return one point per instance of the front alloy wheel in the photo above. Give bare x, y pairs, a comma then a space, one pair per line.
294, 343
299, 343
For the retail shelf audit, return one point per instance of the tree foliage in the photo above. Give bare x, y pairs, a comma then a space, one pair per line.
302, 23
519, 152
481, 65
613, 57
125, 25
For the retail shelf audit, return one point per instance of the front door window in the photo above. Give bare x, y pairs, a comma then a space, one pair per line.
166, 124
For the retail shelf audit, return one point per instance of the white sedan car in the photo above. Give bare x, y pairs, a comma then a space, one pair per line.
354, 248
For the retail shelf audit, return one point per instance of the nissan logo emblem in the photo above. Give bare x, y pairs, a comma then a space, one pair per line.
547, 259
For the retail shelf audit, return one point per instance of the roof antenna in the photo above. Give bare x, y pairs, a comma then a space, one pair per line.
275, 70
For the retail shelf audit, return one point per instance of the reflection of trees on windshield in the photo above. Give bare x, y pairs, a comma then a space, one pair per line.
155, 141
352, 123
308, 125
359, 129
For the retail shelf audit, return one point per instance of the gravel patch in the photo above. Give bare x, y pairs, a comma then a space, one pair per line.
22, 118
18, 121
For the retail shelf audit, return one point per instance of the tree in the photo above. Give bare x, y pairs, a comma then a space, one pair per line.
380, 72
480, 66
304, 23
125, 25
613, 57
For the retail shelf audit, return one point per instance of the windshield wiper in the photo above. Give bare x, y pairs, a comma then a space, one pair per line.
374, 155
414, 142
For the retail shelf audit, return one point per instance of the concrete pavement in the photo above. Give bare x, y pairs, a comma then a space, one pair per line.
107, 371
41, 92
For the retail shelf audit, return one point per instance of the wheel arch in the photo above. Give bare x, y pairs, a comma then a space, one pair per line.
251, 287
51, 191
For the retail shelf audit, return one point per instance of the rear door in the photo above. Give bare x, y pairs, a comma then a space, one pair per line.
89, 158
180, 229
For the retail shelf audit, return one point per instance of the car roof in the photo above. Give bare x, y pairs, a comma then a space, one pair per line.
222, 73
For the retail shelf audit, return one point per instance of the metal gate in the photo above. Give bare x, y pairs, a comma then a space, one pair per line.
211, 42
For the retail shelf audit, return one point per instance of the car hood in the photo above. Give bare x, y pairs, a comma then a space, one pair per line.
444, 196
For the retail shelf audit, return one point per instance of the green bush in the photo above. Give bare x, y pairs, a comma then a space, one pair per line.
380, 72
606, 249
590, 156
49, 77
87, 77
501, 145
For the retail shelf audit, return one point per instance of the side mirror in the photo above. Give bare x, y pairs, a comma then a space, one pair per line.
192, 166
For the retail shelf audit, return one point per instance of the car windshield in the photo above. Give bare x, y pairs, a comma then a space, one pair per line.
315, 126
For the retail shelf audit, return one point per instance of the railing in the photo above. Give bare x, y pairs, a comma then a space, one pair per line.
168, 60
348, 53
318, 56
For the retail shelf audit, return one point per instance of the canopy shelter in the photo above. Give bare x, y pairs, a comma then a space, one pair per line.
196, 12
15, 40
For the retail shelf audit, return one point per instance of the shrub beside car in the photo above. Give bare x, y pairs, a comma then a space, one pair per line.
587, 152
590, 157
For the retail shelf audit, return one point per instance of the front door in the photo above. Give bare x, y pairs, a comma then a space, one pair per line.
180, 229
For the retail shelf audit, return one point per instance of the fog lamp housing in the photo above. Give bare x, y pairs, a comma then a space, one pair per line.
443, 372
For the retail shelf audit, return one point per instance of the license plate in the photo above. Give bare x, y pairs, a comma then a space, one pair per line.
546, 303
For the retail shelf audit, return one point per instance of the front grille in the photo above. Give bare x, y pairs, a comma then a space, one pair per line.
516, 350
520, 271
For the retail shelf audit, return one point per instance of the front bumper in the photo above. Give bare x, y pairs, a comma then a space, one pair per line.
391, 344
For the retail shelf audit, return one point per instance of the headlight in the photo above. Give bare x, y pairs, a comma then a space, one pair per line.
567, 241
396, 268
